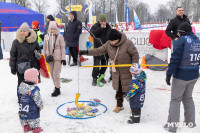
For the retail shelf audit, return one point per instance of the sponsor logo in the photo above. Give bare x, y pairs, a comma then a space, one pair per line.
13, 10
189, 40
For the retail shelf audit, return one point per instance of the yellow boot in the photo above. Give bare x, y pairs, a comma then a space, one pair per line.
118, 109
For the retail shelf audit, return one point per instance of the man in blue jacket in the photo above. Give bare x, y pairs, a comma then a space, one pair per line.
72, 34
184, 66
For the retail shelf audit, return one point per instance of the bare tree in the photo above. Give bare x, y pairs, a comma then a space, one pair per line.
24, 3
162, 14
41, 6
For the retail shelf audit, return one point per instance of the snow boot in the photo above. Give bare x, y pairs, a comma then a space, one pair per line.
94, 82
103, 81
118, 109
135, 118
27, 128
73, 64
56, 92
37, 130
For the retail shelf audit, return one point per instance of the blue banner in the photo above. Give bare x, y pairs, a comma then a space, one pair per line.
70, 5
137, 21
101, 7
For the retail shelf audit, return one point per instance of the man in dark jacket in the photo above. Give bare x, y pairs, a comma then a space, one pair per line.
49, 18
184, 66
72, 34
172, 27
100, 30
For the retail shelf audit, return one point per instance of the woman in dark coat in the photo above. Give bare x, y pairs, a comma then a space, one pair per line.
24, 49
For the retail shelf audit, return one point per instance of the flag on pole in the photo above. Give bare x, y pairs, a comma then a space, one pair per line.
90, 12
137, 21
127, 17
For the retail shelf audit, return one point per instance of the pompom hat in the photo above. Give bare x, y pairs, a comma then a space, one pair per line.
31, 75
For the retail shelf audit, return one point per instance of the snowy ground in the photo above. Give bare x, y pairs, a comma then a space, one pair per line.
154, 112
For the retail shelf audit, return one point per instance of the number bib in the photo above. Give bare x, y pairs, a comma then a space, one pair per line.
191, 53
27, 107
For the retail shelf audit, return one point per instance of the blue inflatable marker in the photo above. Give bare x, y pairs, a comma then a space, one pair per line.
57, 110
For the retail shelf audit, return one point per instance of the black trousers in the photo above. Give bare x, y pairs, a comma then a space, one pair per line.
74, 53
98, 71
119, 95
20, 78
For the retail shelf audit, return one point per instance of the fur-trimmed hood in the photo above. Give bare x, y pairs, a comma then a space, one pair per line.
31, 39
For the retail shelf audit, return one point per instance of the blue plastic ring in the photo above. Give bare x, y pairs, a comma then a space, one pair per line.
80, 118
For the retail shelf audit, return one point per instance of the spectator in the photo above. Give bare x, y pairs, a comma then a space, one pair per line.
173, 25
54, 51
72, 34
100, 30
23, 53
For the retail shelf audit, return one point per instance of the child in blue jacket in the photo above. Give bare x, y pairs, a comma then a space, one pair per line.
136, 94
30, 102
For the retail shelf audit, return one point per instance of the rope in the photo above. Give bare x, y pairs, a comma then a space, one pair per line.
78, 70
126, 65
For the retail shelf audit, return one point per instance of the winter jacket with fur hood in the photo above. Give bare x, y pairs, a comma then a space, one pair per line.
127, 54
22, 50
48, 46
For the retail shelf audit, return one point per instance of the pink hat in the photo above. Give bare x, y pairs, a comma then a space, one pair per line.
52, 24
31, 75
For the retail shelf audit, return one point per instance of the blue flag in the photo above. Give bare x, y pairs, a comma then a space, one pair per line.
137, 21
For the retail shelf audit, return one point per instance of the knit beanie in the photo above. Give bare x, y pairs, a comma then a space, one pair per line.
31, 75
25, 27
36, 24
114, 35
51, 17
102, 17
52, 24
185, 28
135, 69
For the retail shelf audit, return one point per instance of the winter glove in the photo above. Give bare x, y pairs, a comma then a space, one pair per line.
63, 62
83, 52
168, 78
13, 71
37, 55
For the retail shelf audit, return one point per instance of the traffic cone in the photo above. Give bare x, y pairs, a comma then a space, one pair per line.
143, 63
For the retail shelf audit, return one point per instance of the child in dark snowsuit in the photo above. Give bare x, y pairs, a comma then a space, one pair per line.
136, 94
30, 102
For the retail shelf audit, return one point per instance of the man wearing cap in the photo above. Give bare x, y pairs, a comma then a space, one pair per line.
100, 30
72, 34
49, 18
184, 67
